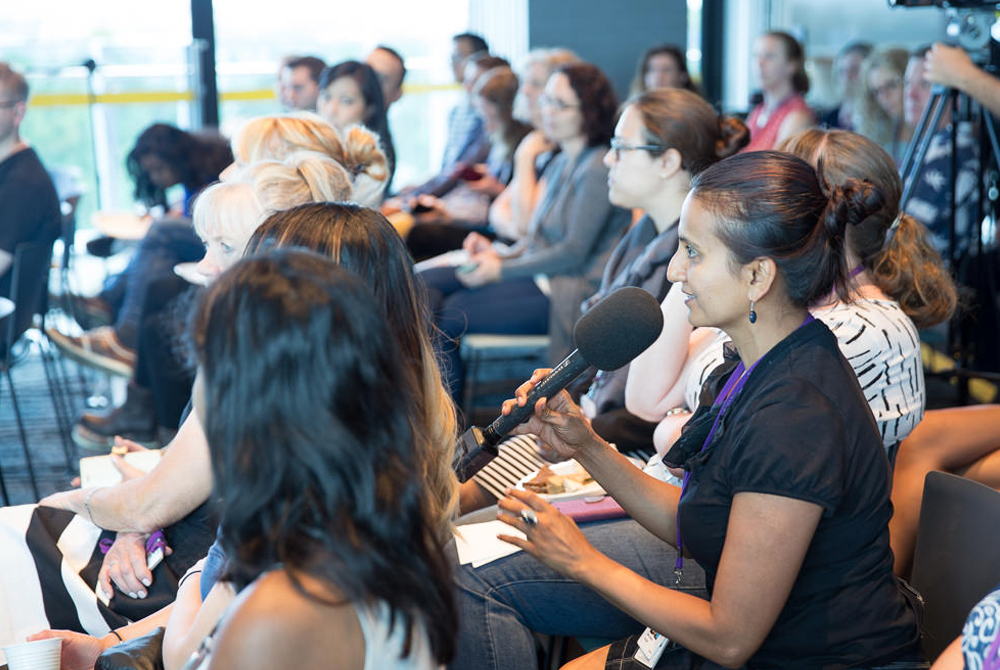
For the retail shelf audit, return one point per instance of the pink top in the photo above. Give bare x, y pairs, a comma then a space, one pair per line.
764, 131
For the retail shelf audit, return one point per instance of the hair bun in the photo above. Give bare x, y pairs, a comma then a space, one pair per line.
733, 136
363, 155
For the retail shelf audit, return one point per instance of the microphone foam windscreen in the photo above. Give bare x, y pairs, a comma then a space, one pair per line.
618, 328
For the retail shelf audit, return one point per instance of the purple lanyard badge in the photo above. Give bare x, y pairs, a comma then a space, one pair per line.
737, 380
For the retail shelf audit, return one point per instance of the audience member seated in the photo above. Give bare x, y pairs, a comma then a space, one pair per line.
899, 284
466, 208
511, 211
38, 539
28, 199
880, 115
346, 522
791, 539
298, 82
574, 228
979, 644
351, 93
662, 66
391, 70
663, 138
163, 157
930, 202
160, 389
961, 440
848, 73
364, 242
779, 65
466, 141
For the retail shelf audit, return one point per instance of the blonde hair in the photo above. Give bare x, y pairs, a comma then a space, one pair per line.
275, 137
238, 206
227, 208
358, 150
365, 161
871, 120
550, 59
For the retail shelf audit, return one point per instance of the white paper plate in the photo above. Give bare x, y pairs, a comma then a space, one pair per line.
189, 273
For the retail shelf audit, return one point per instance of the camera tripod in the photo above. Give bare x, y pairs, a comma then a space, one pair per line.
972, 335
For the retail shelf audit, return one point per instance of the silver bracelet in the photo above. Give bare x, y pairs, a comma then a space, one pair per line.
678, 410
86, 504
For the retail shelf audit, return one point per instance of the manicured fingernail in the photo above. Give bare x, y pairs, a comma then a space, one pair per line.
146, 581
142, 594
132, 594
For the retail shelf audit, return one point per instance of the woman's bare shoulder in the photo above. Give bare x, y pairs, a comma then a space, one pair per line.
273, 624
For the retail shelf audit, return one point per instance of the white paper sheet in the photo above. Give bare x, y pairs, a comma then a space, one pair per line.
477, 543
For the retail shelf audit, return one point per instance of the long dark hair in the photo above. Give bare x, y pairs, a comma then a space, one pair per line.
363, 241
306, 418
771, 204
598, 102
197, 159
371, 90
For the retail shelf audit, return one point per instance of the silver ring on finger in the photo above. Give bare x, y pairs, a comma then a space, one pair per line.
529, 517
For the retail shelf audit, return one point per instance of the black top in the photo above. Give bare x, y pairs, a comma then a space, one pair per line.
29, 206
801, 428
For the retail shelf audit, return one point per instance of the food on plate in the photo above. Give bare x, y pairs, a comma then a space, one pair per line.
548, 482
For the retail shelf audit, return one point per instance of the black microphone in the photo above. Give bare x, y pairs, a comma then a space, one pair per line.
612, 332
90, 64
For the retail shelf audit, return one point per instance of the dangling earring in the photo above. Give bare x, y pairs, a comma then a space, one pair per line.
753, 313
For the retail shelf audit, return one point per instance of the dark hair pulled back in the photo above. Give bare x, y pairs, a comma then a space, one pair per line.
772, 204
679, 119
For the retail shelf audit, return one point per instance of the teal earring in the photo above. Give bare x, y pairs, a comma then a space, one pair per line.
753, 313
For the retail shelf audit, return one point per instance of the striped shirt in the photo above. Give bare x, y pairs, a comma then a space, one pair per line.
881, 344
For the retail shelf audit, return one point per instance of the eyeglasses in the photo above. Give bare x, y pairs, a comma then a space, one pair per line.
887, 87
559, 105
619, 146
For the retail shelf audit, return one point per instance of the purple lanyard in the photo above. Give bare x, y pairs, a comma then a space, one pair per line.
991, 661
737, 380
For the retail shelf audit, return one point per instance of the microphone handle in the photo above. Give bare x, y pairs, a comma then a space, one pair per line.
557, 380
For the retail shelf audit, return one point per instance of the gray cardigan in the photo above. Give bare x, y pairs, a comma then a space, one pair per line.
571, 235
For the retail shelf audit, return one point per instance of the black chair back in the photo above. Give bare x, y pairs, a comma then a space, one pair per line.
29, 289
957, 558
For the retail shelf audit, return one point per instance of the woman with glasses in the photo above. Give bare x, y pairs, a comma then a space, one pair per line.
880, 114
664, 137
537, 286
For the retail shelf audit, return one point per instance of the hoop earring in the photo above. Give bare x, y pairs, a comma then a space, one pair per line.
753, 313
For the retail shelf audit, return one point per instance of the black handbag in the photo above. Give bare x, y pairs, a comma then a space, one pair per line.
142, 653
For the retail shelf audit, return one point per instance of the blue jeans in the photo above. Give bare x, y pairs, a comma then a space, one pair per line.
167, 243
501, 602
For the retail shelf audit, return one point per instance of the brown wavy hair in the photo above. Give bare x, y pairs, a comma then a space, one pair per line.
598, 102
902, 262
